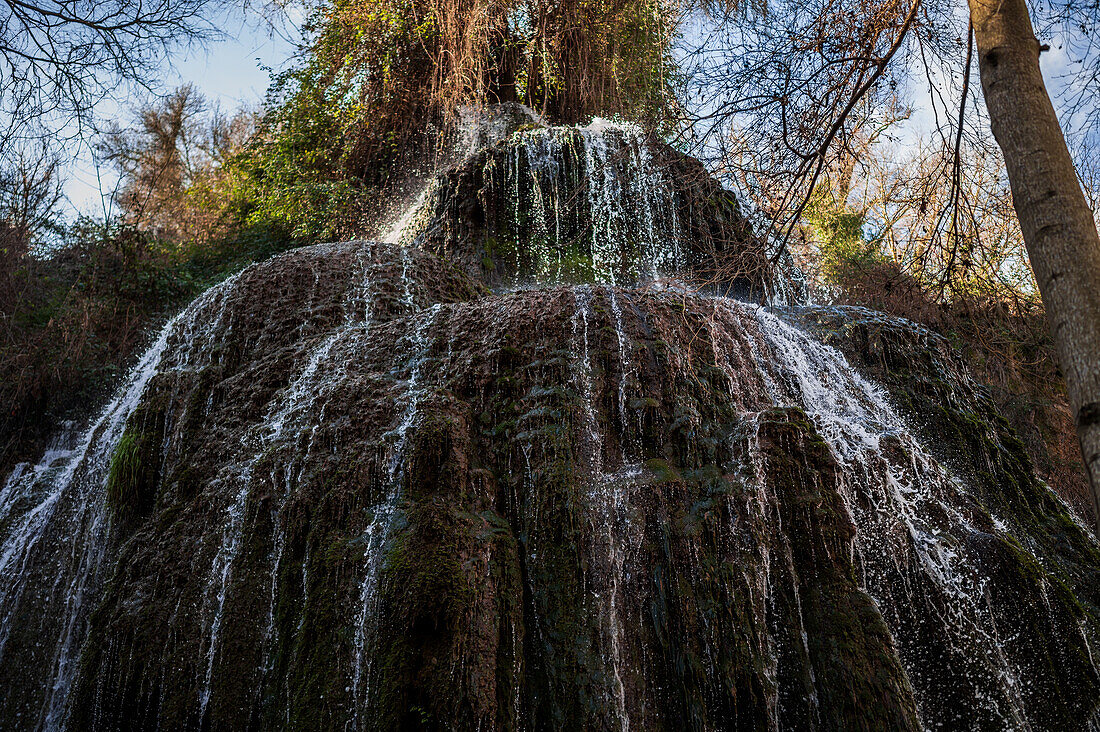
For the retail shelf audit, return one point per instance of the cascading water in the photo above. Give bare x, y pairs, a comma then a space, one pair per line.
608, 510
904, 504
54, 517
626, 367
631, 204
380, 494
565, 204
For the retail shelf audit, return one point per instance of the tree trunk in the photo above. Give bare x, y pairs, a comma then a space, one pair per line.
1058, 226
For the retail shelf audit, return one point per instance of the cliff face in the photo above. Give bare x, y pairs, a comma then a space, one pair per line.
453, 484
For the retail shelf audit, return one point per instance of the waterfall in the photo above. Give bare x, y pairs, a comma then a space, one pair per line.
295, 400
609, 509
626, 363
53, 516
412, 216
285, 421
582, 315
396, 487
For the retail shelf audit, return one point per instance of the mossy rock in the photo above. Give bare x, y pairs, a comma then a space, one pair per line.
134, 473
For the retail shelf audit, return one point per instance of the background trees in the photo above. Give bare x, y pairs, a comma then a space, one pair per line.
375, 96
75, 297
172, 163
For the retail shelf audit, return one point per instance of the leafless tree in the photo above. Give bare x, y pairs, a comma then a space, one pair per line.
59, 58
786, 93
30, 191
157, 158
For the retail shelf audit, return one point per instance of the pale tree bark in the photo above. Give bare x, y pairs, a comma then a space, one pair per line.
1058, 226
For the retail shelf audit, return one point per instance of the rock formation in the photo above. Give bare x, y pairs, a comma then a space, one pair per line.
533, 467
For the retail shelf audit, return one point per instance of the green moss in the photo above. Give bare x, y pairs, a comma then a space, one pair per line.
1044, 572
132, 479
493, 593
662, 471
123, 480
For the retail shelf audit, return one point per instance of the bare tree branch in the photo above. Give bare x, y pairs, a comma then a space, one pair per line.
59, 59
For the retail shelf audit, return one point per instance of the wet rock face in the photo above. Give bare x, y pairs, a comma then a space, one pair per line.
369, 486
603, 203
543, 508
359, 490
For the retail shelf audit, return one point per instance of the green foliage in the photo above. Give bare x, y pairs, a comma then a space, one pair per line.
378, 87
382, 81
847, 252
77, 317
135, 464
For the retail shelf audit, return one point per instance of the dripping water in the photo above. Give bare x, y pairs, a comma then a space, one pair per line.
384, 516
285, 419
629, 201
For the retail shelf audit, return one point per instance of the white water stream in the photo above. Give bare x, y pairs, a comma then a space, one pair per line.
54, 515
629, 200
